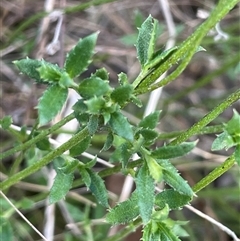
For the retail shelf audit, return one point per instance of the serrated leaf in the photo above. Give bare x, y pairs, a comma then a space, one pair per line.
108, 143
93, 124
122, 79
79, 148
145, 193
121, 126
61, 186
95, 105
223, 140
29, 67
96, 185
49, 73
65, 81
154, 168
149, 136
150, 121
166, 232
70, 165
79, 57
93, 86
172, 198
167, 152
51, 103
124, 212
101, 73
173, 179
146, 40
5, 122
121, 94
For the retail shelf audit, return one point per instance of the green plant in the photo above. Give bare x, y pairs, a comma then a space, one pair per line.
99, 111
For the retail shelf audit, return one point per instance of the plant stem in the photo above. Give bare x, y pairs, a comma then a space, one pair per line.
207, 118
80, 136
39, 137
217, 172
187, 49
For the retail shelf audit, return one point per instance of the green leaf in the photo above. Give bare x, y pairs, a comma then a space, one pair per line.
43, 144
95, 105
6, 230
51, 103
65, 81
61, 186
5, 122
173, 179
93, 86
30, 67
146, 40
154, 168
172, 198
101, 73
93, 124
123, 79
223, 140
150, 121
149, 136
151, 232
121, 126
80, 107
80, 147
121, 94
167, 152
79, 57
108, 143
233, 127
237, 154
49, 73
70, 165
124, 212
96, 185
145, 193
166, 232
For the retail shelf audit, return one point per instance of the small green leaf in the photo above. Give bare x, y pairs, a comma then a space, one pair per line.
167, 152
145, 193
151, 232
121, 94
49, 73
149, 136
146, 40
80, 147
43, 144
29, 67
150, 121
61, 186
65, 81
51, 103
172, 198
6, 229
233, 127
5, 122
70, 165
80, 107
108, 143
124, 212
154, 168
93, 86
173, 179
93, 124
121, 126
79, 57
123, 79
96, 185
166, 232
95, 105
101, 73
223, 140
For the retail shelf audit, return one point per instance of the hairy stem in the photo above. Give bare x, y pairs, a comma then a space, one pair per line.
80, 136
39, 137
